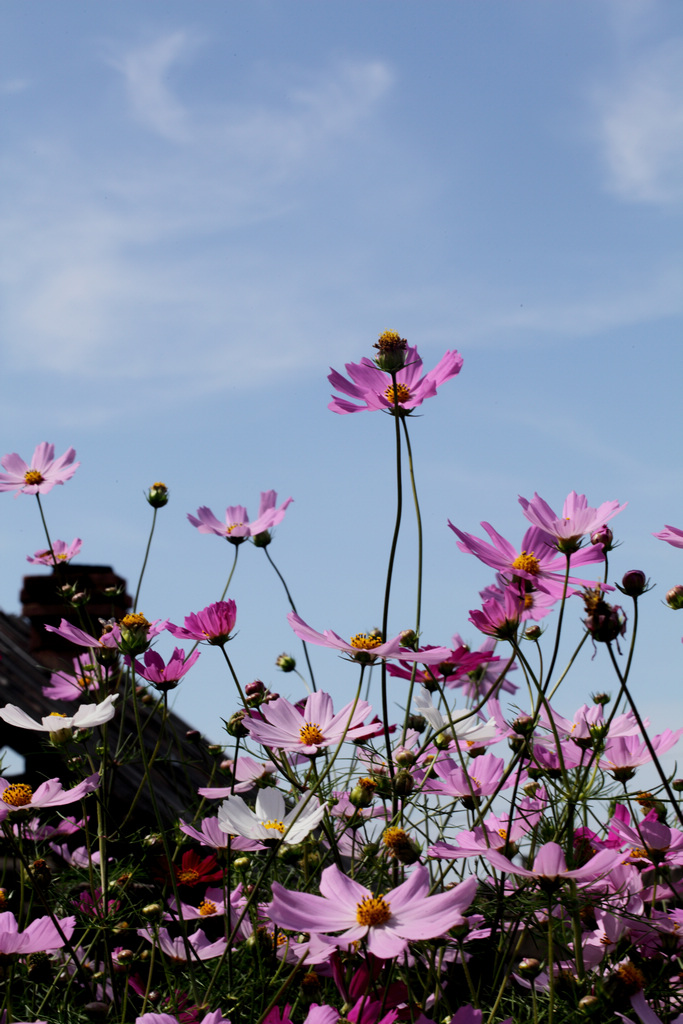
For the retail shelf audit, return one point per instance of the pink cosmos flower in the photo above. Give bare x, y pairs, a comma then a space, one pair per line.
202, 948
166, 676
577, 518
366, 647
67, 687
211, 834
212, 624
481, 779
550, 864
538, 560
247, 773
63, 552
16, 796
374, 388
41, 476
308, 730
500, 615
671, 535
40, 936
406, 913
624, 754
166, 1018
237, 527
86, 717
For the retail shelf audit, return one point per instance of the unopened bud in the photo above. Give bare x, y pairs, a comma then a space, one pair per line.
134, 632
404, 783
404, 757
590, 1006
255, 689
601, 698
603, 535
533, 632
262, 540
417, 722
633, 583
152, 911
409, 638
363, 793
235, 726
674, 597
157, 495
529, 967
286, 663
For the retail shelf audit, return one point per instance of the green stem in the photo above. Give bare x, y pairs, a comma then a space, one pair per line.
293, 607
47, 532
232, 572
144, 563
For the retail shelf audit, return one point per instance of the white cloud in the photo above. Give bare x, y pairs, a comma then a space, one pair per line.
12, 86
640, 123
145, 71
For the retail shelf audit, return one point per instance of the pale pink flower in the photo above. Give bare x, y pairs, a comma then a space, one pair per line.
247, 773
18, 796
366, 647
63, 553
672, 535
237, 527
550, 863
212, 624
389, 922
166, 1018
307, 730
623, 754
211, 834
577, 519
373, 387
41, 476
202, 948
40, 936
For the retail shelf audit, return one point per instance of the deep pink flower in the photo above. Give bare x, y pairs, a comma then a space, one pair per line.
671, 535
366, 647
374, 389
41, 476
40, 936
624, 754
166, 1018
308, 730
63, 552
538, 560
18, 796
406, 913
202, 948
212, 624
166, 675
237, 527
577, 518
500, 615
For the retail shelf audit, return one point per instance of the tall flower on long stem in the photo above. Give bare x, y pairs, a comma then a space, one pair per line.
42, 475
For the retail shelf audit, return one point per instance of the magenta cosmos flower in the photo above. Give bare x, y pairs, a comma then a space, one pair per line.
212, 624
67, 687
577, 518
166, 1018
374, 389
41, 476
538, 560
672, 535
366, 646
237, 527
550, 864
63, 552
407, 913
18, 796
307, 731
41, 936
166, 675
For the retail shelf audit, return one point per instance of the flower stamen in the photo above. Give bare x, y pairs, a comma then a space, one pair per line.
207, 908
527, 563
18, 794
372, 910
277, 826
311, 734
397, 393
33, 476
365, 641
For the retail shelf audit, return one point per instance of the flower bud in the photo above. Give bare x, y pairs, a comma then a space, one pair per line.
533, 632
601, 698
404, 757
241, 862
677, 785
417, 722
529, 967
603, 535
157, 495
404, 783
391, 348
285, 663
262, 540
408, 638
633, 583
605, 622
255, 689
400, 846
39, 968
363, 793
234, 726
590, 1006
152, 911
134, 631
674, 597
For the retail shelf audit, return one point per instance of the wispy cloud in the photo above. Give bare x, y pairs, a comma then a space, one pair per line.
640, 126
146, 72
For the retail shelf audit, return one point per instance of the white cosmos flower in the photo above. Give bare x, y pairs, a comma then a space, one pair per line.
463, 724
87, 716
268, 820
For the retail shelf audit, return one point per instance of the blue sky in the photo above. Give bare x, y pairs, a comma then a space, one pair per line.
204, 206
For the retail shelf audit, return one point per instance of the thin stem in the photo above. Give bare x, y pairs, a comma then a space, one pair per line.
293, 607
420, 547
47, 532
144, 563
232, 571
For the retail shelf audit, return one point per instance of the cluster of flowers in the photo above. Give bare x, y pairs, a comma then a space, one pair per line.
456, 866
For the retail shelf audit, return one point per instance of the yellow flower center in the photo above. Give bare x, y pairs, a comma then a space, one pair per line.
632, 977
18, 794
367, 783
365, 641
527, 563
372, 910
233, 526
61, 557
56, 714
502, 832
397, 393
207, 908
528, 602
640, 852
33, 476
135, 619
188, 877
3, 899
390, 340
395, 838
277, 826
159, 484
311, 734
